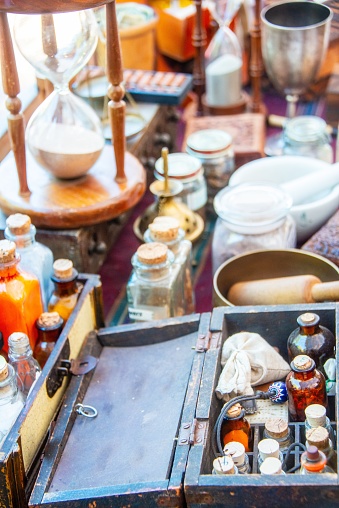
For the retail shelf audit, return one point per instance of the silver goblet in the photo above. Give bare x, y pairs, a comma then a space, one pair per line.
294, 41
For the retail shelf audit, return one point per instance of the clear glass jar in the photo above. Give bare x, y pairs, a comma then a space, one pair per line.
189, 171
314, 461
271, 465
154, 290
213, 147
11, 399
224, 465
278, 429
269, 448
20, 356
316, 417
251, 216
308, 136
237, 452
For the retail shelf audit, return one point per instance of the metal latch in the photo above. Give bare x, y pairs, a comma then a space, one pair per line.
64, 367
211, 340
193, 433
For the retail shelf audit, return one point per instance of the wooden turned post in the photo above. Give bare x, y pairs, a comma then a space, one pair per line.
10, 82
199, 42
256, 63
116, 91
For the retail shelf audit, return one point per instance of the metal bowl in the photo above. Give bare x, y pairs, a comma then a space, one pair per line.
266, 264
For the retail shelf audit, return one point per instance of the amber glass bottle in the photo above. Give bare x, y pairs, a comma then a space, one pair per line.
20, 296
235, 427
66, 288
49, 326
311, 339
305, 385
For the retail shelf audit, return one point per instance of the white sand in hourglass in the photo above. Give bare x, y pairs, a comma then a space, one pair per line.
223, 80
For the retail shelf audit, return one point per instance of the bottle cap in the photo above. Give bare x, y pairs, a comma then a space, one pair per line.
49, 319
268, 448
18, 223
164, 228
302, 363
316, 415
308, 319
313, 459
7, 251
152, 253
276, 427
3, 368
236, 451
318, 437
18, 342
234, 411
271, 465
63, 268
223, 465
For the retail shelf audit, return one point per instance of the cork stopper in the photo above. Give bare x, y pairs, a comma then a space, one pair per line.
276, 427
152, 253
63, 268
7, 251
308, 319
302, 363
18, 223
316, 415
268, 448
48, 319
236, 451
223, 465
271, 465
3, 368
164, 228
318, 437
234, 411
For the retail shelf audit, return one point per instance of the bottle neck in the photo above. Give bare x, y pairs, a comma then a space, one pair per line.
8, 387
9, 270
153, 272
64, 288
21, 241
304, 376
309, 330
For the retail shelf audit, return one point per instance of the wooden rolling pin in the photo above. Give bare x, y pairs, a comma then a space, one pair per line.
283, 290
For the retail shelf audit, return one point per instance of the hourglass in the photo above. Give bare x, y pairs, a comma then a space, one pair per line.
67, 177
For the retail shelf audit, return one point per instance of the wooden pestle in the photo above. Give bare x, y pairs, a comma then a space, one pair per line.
283, 290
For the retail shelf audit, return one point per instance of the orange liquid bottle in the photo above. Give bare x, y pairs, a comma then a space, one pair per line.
66, 288
235, 427
20, 296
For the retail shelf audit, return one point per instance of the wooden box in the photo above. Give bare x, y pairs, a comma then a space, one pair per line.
20, 454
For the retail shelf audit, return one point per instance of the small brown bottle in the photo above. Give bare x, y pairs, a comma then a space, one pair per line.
305, 385
49, 326
311, 339
235, 427
66, 288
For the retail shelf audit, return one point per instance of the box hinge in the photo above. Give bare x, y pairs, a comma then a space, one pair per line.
211, 340
64, 368
193, 433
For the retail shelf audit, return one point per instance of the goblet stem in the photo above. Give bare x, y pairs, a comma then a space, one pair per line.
291, 105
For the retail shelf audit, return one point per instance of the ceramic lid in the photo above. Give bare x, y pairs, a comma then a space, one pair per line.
180, 165
209, 143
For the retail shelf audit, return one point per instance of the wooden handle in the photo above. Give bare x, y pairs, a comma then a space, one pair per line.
326, 291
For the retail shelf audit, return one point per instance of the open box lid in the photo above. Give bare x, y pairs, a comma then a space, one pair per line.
145, 388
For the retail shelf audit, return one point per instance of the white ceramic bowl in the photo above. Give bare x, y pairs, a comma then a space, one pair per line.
309, 216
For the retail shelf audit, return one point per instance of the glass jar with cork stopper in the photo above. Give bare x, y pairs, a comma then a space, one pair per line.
316, 417
235, 427
165, 229
224, 466
19, 308
239, 456
34, 256
20, 356
314, 461
319, 437
154, 290
11, 399
49, 326
66, 288
278, 429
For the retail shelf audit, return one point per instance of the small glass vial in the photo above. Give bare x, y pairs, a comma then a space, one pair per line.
214, 148
49, 326
269, 448
11, 399
270, 466
239, 456
305, 386
319, 437
235, 427
278, 429
66, 288
20, 356
224, 465
189, 171
311, 339
34, 256
165, 229
308, 136
316, 417
314, 461
251, 216
154, 290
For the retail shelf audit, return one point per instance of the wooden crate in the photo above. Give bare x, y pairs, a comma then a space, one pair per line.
203, 489
20, 454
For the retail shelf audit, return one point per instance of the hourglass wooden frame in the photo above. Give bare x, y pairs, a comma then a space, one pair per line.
103, 193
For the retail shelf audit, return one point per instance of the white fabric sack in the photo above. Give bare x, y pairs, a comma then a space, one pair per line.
248, 360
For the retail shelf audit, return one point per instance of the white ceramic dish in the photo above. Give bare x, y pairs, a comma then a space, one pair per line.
309, 216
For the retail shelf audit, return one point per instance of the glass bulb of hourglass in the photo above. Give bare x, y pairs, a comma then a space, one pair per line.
64, 134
